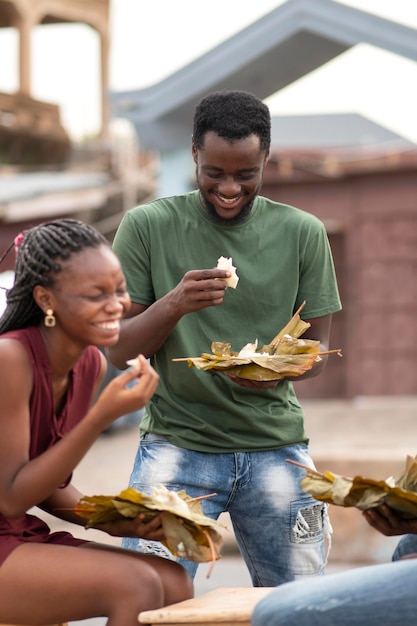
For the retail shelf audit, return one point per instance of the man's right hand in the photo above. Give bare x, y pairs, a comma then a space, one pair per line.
199, 289
145, 328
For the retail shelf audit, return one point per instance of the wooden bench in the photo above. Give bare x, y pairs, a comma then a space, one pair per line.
226, 606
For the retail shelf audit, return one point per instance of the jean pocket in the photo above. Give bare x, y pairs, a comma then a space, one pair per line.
307, 521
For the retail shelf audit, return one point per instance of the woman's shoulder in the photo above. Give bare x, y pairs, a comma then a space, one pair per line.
24, 339
17, 360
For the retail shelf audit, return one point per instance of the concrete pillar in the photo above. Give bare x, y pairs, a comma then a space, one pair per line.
104, 68
25, 70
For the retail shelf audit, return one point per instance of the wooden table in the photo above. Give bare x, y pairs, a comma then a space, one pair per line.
226, 606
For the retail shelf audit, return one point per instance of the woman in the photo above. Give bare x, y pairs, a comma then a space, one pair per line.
68, 299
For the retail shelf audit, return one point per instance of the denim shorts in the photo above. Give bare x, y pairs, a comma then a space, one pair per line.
280, 530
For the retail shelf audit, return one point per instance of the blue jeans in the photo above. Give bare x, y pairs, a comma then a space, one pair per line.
278, 527
407, 545
377, 595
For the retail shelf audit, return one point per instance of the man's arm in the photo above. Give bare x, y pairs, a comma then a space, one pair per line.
145, 329
319, 331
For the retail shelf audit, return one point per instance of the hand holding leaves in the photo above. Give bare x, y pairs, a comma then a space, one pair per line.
367, 493
286, 355
187, 532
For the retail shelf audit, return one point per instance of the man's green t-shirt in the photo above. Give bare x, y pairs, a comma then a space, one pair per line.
283, 257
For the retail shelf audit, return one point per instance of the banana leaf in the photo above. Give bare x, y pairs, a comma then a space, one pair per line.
189, 533
285, 355
365, 493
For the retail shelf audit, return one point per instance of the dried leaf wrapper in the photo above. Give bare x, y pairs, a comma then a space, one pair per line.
189, 533
285, 355
365, 493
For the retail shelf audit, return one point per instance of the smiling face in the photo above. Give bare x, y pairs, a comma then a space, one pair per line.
88, 298
229, 175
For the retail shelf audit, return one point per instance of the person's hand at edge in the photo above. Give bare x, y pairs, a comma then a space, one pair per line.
388, 522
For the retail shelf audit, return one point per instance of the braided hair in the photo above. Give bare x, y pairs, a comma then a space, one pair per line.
38, 260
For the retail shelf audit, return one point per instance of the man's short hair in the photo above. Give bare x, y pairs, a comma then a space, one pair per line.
232, 115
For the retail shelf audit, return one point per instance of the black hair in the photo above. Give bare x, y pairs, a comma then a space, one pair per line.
37, 263
232, 115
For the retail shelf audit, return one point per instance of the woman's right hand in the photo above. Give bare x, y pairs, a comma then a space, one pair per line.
118, 399
151, 530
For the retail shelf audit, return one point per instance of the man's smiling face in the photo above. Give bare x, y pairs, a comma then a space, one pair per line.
229, 175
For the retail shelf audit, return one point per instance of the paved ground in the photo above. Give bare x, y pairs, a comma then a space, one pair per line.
371, 437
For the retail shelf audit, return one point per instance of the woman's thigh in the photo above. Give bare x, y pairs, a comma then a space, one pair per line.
62, 583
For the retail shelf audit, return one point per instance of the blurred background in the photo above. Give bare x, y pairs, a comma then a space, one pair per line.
96, 105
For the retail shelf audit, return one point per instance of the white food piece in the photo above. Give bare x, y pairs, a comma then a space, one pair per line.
250, 350
133, 362
171, 499
224, 263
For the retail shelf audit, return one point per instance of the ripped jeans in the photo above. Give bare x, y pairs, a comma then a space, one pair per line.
279, 529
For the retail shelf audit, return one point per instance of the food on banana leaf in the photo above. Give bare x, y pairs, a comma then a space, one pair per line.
224, 263
285, 355
189, 533
365, 493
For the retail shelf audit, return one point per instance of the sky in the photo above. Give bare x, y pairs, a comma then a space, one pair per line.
145, 48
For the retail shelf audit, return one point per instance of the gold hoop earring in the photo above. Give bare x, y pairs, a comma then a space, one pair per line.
49, 319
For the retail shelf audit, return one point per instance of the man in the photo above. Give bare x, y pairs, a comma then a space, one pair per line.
377, 595
206, 432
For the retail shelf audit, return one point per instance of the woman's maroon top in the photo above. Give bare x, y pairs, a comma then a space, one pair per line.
46, 428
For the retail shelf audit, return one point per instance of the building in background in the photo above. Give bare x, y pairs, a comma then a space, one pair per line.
43, 174
367, 198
